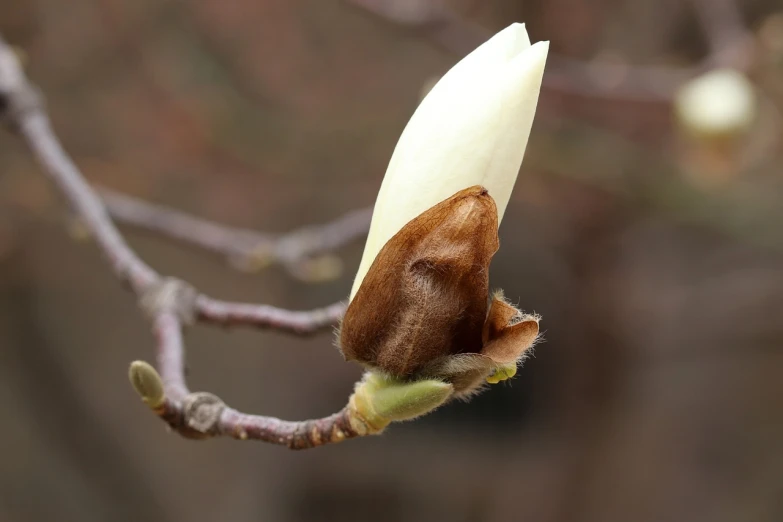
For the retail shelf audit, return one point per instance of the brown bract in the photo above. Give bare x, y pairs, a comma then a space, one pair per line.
423, 309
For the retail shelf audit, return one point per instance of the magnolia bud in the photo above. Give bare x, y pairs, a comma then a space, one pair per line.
718, 104
420, 309
423, 311
471, 129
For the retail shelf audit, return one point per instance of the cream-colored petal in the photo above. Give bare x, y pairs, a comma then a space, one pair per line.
471, 129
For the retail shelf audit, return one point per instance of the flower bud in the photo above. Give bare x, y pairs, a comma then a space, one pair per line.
423, 310
420, 307
718, 104
425, 296
471, 129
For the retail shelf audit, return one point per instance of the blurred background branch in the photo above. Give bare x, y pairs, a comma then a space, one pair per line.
246, 249
596, 78
730, 42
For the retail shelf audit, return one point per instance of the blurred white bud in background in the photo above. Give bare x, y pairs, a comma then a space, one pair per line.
720, 104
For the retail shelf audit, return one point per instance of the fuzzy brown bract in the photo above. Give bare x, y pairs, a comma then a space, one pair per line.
422, 308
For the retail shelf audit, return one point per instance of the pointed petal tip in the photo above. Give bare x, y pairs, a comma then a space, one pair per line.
520, 29
541, 47
533, 59
507, 43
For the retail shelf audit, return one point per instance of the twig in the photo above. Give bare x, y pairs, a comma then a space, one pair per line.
169, 303
23, 108
247, 246
221, 313
202, 415
730, 42
594, 79
598, 79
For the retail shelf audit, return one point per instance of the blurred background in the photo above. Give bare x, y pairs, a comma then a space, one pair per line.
646, 233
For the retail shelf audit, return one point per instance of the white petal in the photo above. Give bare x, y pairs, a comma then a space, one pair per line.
471, 129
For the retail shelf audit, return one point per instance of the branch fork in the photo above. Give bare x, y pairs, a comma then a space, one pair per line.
171, 304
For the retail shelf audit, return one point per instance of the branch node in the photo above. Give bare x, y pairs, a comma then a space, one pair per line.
255, 260
170, 295
202, 411
170, 302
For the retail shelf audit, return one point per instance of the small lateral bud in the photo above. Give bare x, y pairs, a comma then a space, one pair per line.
380, 399
319, 269
147, 383
399, 400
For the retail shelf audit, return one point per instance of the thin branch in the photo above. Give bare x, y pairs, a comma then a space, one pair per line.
721, 21
593, 79
730, 41
24, 108
295, 435
302, 323
597, 79
247, 246
169, 303
203, 415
